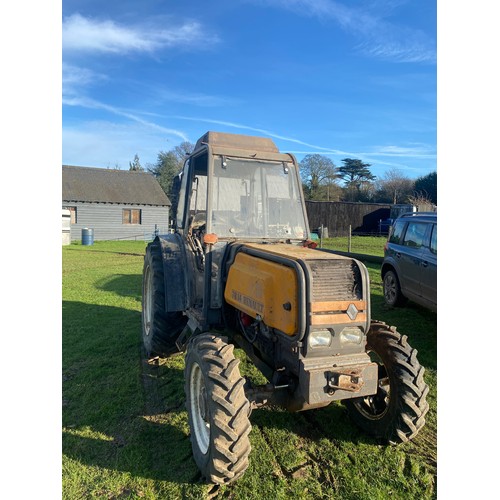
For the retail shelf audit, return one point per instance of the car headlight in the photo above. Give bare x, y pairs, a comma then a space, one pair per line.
320, 338
351, 335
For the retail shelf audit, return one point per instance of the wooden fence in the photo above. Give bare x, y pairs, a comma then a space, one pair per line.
337, 216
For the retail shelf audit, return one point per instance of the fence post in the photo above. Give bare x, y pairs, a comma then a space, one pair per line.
349, 240
321, 237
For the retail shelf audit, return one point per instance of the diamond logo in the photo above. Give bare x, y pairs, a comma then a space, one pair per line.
352, 311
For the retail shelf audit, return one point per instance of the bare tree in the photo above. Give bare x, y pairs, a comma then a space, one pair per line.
395, 187
136, 164
182, 150
423, 203
319, 177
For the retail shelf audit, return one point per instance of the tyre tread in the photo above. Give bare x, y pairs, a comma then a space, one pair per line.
230, 426
165, 326
406, 415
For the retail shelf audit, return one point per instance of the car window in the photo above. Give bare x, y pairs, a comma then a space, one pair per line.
414, 236
397, 231
434, 248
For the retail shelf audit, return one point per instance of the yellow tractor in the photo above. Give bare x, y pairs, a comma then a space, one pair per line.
240, 270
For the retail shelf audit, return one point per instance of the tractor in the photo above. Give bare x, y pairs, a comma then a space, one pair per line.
240, 270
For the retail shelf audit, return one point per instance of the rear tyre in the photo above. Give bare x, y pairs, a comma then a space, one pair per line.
217, 409
392, 290
396, 413
160, 329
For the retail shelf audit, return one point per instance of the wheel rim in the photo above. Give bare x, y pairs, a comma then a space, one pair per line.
390, 289
199, 409
376, 406
148, 302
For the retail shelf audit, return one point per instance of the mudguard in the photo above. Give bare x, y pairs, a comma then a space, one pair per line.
175, 264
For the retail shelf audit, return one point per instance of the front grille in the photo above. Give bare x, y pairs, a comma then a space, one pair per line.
335, 280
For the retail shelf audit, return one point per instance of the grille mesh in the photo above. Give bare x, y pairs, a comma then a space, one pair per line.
335, 280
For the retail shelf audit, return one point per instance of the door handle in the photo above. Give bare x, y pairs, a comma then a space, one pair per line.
398, 255
425, 263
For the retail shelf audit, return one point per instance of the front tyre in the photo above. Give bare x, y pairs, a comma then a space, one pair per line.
396, 413
160, 329
217, 409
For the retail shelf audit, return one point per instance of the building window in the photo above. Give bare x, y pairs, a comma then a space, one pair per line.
72, 211
131, 216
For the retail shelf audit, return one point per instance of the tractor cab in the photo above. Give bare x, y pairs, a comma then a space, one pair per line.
241, 187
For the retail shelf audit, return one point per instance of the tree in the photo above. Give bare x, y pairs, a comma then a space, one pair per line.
319, 177
394, 187
165, 169
358, 179
136, 164
426, 187
169, 164
182, 150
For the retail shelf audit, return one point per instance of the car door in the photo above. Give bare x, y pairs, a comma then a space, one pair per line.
429, 268
409, 256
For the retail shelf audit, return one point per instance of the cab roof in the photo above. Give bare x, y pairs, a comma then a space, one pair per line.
237, 141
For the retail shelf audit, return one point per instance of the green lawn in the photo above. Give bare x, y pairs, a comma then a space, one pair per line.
369, 245
125, 432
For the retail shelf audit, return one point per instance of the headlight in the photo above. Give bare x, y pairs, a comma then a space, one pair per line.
351, 335
320, 338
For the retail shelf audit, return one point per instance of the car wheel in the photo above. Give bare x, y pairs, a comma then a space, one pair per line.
392, 290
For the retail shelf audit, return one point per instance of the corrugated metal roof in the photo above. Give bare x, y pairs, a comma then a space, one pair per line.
89, 184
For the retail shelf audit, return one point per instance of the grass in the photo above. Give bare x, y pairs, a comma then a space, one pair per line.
369, 245
125, 431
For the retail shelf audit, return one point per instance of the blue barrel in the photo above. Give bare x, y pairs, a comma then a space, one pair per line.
87, 236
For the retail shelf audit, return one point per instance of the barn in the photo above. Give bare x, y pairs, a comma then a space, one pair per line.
115, 204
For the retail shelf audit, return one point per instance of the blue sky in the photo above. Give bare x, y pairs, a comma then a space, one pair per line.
340, 78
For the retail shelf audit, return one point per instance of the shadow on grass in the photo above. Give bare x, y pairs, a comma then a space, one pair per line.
124, 285
120, 413
331, 422
80, 248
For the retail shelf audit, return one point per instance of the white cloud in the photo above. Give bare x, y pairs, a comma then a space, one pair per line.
416, 151
253, 129
74, 78
163, 94
376, 37
73, 75
81, 34
105, 144
399, 46
317, 8
87, 102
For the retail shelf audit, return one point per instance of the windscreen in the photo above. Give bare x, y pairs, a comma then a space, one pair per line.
253, 198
